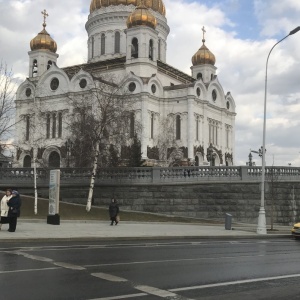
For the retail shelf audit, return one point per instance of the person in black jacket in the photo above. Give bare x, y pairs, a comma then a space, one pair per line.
113, 211
14, 205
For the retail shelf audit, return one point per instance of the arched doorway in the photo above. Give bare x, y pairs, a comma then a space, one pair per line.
54, 160
196, 161
27, 162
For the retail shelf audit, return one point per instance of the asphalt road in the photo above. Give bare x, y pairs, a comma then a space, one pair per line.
171, 269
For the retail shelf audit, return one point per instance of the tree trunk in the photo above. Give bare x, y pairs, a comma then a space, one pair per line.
91, 190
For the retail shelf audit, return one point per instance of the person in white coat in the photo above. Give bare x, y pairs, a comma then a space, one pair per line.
5, 208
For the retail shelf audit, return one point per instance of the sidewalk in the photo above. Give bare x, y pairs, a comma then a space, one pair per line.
39, 230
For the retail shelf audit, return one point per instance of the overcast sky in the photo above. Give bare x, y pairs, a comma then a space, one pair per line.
239, 32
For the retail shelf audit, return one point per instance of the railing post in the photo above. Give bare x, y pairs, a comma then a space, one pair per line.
244, 172
155, 174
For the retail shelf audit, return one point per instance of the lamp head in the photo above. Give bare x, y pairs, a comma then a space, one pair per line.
295, 30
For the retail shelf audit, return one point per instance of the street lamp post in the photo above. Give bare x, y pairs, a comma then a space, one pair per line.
261, 226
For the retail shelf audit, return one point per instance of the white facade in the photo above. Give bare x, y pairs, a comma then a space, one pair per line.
203, 116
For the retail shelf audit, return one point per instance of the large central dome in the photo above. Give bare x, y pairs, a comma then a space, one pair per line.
156, 5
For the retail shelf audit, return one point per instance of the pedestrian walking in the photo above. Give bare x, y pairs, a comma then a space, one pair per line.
114, 212
14, 204
4, 207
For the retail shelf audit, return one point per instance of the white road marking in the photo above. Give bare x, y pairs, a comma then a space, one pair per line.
68, 266
234, 282
174, 260
155, 291
109, 277
28, 270
122, 297
33, 257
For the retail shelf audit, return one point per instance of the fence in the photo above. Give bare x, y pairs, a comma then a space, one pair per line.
155, 175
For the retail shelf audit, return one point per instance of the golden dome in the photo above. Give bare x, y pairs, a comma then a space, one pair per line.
203, 56
141, 16
43, 41
156, 5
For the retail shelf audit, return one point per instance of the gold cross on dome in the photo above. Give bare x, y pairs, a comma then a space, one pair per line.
204, 31
44, 13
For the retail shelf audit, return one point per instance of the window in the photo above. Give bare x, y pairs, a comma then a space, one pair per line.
199, 76
49, 64
131, 134
59, 124
152, 126
102, 43
178, 127
134, 48
34, 68
151, 49
214, 95
132, 87
48, 126
197, 129
159, 48
153, 88
27, 127
227, 104
28, 92
54, 84
54, 125
213, 132
198, 92
117, 42
93, 46
83, 83
227, 136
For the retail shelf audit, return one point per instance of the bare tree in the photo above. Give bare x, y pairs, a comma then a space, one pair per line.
7, 107
165, 139
100, 118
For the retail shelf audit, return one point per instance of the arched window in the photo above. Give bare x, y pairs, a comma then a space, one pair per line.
59, 124
27, 162
49, 64
102, 43
54, 126
48, 121
152, 126
34, 68
178, 128
159, 48
117, 42
151, 49
131, 134
27, 127
93, 46
54, 160
199, 76
135, 48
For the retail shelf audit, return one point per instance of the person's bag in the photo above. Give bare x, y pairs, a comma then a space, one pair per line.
14, 210
118, 218
4, 213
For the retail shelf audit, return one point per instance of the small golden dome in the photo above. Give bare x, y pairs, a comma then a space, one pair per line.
156, 5
141, 16
43, 41
203, 56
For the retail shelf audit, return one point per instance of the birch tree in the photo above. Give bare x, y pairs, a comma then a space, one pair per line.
7, 106
100, 118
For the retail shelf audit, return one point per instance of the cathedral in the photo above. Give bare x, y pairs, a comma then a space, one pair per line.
127, 38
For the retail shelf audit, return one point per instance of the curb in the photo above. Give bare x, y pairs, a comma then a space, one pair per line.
146, 238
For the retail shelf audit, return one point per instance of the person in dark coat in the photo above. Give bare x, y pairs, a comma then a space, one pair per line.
14, 205
113, 211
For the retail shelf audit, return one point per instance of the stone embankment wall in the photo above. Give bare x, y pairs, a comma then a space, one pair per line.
201, 200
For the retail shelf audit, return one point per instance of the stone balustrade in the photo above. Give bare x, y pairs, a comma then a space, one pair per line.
148, 175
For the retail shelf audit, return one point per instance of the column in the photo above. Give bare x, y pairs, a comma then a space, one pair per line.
145, 127
191, 129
